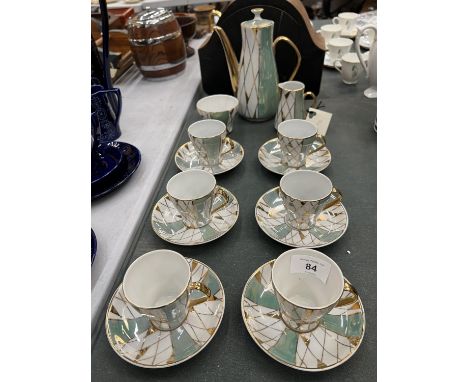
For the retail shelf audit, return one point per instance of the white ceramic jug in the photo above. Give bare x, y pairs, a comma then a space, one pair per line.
371, 66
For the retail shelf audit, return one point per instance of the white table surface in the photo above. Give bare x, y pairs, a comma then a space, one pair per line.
152, 115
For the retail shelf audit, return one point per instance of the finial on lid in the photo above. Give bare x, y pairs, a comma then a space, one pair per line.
257, 12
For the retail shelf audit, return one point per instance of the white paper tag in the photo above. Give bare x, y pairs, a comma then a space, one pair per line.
321, 119
307, 264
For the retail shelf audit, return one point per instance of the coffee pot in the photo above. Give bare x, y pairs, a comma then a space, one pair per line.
254, 78
371, 66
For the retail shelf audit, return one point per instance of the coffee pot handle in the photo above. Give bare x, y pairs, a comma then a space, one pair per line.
298, 54
214, 13
357, 47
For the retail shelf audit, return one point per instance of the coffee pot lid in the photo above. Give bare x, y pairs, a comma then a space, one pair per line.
151, 17
257, 21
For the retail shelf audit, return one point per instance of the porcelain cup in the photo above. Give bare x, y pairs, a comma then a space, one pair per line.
337, 47
193, 193
219, 106
305, 195
347, 20
158, 284
308, 285
208, 136
330, 31
291, 104
350, 68
297, 139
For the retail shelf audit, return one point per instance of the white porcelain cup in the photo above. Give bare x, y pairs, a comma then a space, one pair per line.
330, 31
347, 20
305, 195
298, 138
308, 285
158, 284
350, 68
219, 106
208, 136
337, 47
193, 194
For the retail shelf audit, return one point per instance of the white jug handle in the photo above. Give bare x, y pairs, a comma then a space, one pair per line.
357, 47
335, 20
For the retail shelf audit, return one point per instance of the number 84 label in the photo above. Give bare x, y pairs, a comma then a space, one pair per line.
308, 264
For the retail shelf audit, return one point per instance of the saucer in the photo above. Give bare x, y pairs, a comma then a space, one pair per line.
270, 156
187, 158
327, 61
329, 64
350, 34
93, 246
167, 222
134, 338
109, 158
333, 342
131, 161
270, 213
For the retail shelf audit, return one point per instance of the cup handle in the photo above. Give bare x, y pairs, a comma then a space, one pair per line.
334, 198
221, 192
350, 299
313, 97
202, 288
335, 20
322, 143
230, 145
335, 64
298, 54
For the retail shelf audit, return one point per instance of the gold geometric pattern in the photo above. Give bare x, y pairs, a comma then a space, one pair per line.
333, 342
286, 107
167, 222
249, 74
271, 157
135, 339
187, 158
270, 213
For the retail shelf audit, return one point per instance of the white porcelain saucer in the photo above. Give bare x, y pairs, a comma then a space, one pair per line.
327, 61
167, 222
329, 64
351, 34
135, 339
270, 156
187, 158
270, 214
333, 342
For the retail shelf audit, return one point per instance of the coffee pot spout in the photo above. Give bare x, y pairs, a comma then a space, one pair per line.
231, 58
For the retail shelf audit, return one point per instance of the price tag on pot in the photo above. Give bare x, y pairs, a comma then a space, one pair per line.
321, 119
308, 264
